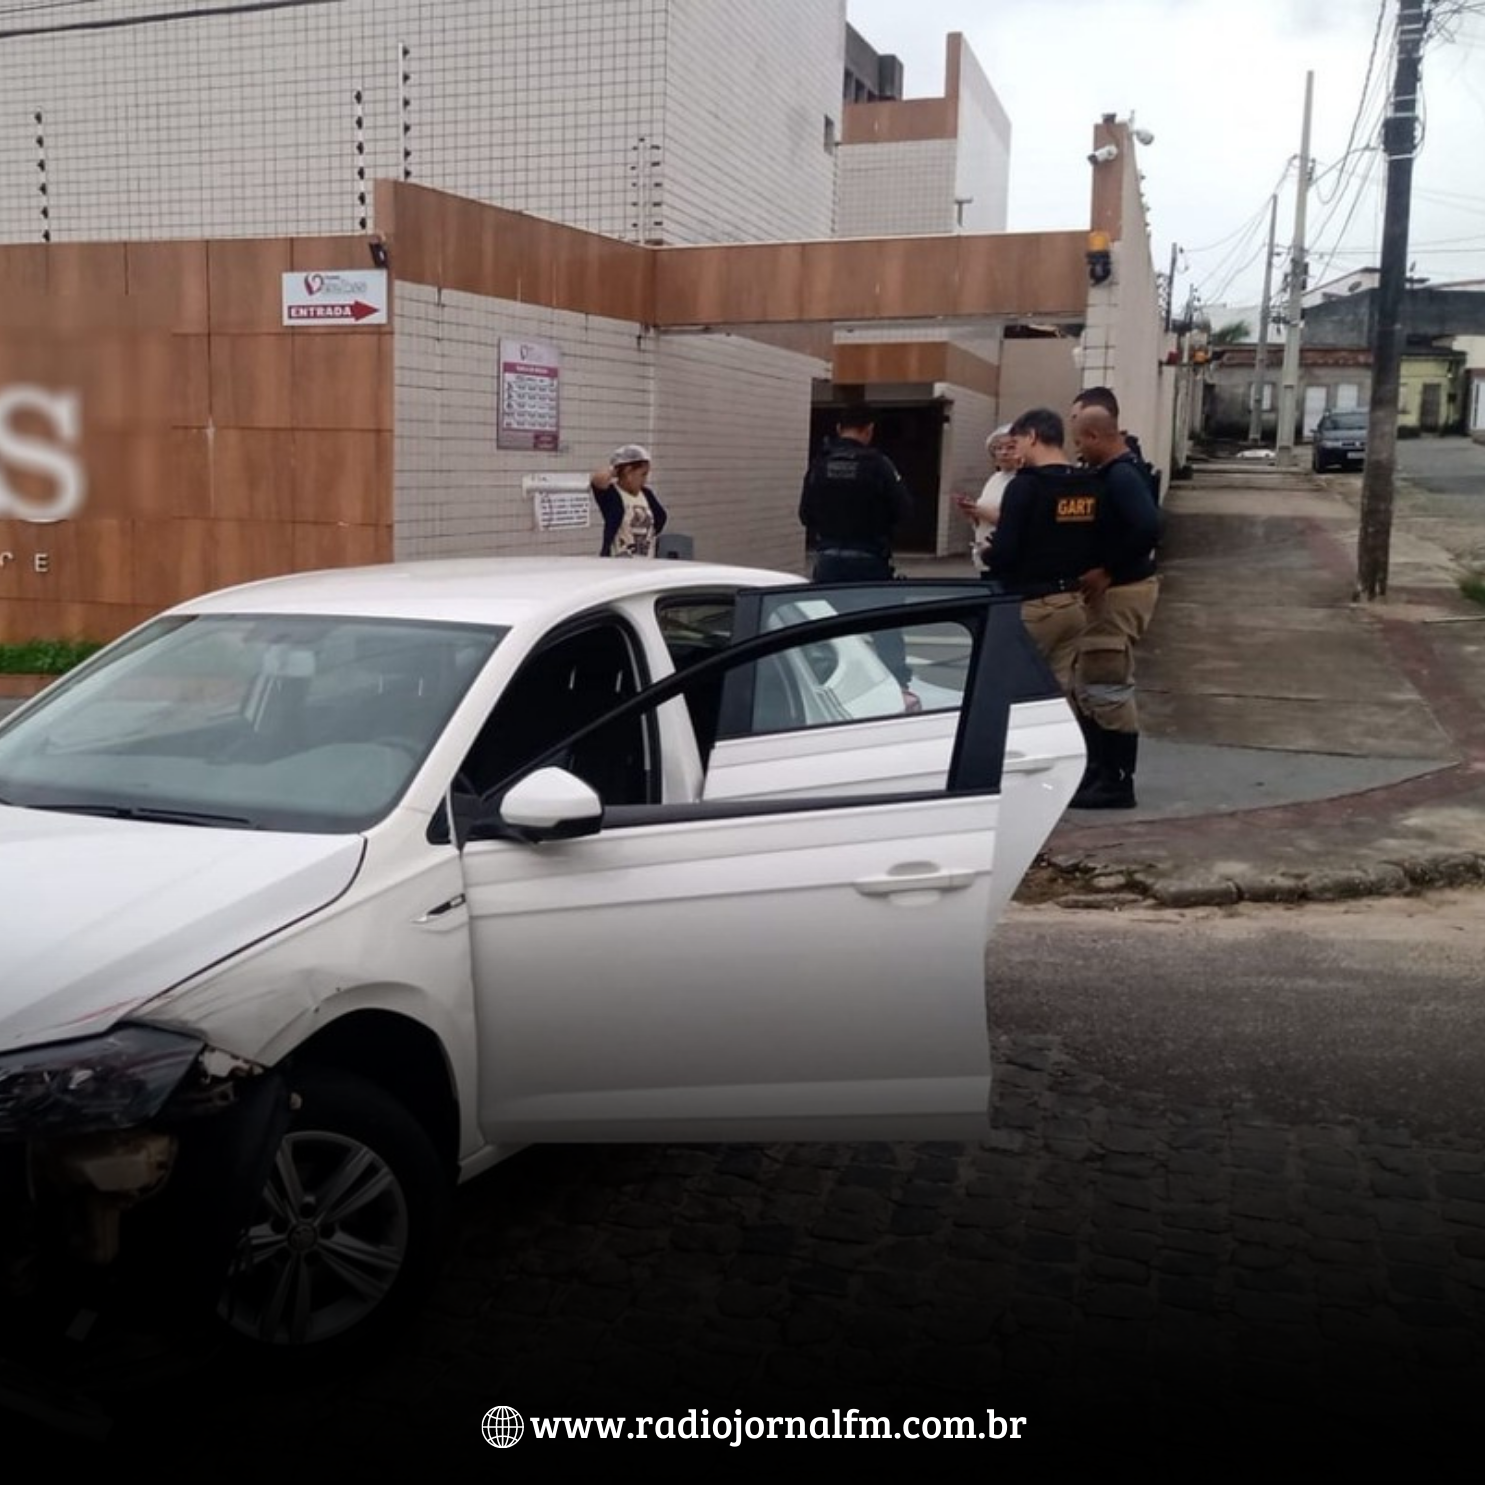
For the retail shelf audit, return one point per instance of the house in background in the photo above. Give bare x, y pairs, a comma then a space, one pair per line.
1435, 395
1473, 349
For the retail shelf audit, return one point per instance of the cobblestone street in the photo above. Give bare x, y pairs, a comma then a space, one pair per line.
1127, 1274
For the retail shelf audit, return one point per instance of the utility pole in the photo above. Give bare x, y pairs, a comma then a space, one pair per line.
1400, 140
1170, 288
1289, 388
1260, 354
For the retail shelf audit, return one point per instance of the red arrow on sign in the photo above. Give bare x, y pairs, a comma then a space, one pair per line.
357, 310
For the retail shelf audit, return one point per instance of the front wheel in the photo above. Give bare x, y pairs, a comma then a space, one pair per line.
349, 1230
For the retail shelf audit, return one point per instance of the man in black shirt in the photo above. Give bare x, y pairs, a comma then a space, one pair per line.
1121, 591
1048, 537
852, 502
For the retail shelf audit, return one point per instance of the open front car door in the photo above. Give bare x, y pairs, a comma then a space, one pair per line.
795, 949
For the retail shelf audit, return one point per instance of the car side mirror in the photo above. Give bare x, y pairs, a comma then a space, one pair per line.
551, 804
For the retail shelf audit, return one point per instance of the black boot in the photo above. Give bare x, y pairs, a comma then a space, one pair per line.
1092, 741
1115, 789
1097, 770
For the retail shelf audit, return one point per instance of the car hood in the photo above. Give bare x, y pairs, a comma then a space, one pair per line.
99, 916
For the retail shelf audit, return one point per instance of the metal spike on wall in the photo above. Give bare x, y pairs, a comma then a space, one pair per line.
43, 184
361, 216
407, 173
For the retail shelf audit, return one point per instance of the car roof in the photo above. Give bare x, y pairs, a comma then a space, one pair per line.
478, 590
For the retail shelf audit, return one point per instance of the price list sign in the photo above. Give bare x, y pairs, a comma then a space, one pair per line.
530, 396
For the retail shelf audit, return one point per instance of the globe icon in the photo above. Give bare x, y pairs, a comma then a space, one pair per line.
503, 1427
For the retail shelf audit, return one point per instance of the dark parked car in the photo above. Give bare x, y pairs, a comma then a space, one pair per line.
1340, 440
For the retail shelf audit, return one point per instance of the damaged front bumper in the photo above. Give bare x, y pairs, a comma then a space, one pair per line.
129, 1166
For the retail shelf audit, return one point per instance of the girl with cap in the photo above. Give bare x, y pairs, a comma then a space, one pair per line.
632, 516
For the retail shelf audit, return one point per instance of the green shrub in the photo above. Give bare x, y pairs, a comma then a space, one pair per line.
45, 656
1472, 585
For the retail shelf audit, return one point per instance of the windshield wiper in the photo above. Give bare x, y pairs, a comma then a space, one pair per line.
147, 812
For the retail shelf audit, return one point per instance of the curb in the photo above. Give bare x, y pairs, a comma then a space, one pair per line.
1080, 882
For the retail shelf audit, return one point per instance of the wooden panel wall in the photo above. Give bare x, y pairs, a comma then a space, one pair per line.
451, 243
1023, 275
915, 361
218, 446
454, 243
895, 121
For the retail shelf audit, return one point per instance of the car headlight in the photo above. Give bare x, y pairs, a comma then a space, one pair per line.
107, 1082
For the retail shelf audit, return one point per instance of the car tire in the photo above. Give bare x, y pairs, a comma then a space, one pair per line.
349, 1232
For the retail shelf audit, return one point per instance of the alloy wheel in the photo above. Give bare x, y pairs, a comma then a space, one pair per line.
326, 1245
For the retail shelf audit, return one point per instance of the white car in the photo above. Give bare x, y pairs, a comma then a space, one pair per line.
325, 893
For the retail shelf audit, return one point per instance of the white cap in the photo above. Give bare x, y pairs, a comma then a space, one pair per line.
629, 453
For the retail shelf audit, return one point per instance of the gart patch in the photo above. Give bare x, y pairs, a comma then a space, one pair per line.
1077, 507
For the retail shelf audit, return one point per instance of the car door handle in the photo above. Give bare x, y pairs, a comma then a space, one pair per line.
914, 879
1026, 763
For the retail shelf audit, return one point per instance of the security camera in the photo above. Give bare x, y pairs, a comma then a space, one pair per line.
1103, 154
1144, 136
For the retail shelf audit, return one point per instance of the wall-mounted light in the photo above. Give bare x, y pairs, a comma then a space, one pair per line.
379, 254
1100, 258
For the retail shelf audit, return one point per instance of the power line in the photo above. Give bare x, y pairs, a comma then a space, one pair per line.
1245, 232
113, 23
1366, 83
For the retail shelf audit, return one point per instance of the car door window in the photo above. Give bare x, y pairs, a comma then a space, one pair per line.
567, 685
694, 628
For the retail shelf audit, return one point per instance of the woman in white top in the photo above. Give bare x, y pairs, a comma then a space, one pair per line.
985, 511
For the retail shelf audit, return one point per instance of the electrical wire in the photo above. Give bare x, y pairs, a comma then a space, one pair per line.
45, 5
1366, 84
1245, 234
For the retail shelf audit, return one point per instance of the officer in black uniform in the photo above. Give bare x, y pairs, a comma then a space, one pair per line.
1050, 539
852, 502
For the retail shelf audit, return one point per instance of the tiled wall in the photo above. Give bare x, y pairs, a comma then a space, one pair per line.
726, 420
685, 120
456, 493
905, 173
896, 188
732, 427
748, 90
1123, 338
983, 162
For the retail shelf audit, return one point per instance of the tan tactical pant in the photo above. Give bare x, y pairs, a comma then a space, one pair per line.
1103, 678
1056, 624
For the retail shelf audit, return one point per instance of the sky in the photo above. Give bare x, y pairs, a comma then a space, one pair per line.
1221, 86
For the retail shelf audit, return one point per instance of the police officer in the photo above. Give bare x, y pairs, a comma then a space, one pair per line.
1049, 537
1121, 594
852, 502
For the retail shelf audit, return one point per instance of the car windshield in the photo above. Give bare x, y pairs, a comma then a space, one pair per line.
292, 722
1349, 421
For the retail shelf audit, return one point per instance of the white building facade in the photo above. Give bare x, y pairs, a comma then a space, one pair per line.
677, 121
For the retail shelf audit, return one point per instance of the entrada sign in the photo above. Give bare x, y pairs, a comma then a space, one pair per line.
57, 459
355, 298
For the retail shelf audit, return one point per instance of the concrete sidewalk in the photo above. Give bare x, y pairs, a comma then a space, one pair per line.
1296, 744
